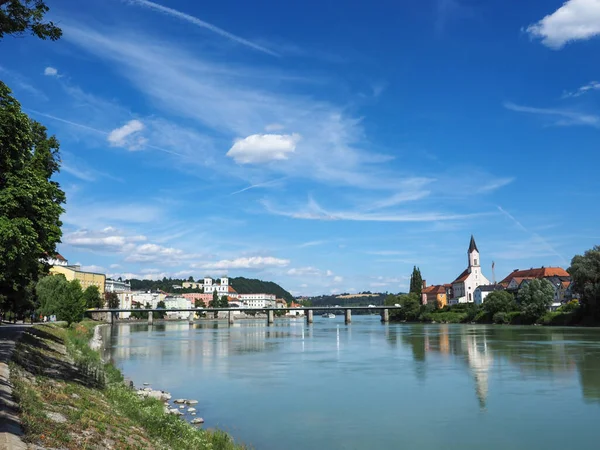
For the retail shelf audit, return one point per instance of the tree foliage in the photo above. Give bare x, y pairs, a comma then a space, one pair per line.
61, 297
92, 297
499, 301
160, 314
535, 297
112, 300
416, 281
30, 202
585, 274
18, 17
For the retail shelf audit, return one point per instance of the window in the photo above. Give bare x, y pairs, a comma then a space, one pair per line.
470, 296
475, 261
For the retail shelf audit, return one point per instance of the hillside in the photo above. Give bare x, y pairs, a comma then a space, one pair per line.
240, 284
254, 286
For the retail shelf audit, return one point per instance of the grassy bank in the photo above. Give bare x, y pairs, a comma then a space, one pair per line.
70, 399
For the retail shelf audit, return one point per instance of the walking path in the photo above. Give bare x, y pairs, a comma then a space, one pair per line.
10, 426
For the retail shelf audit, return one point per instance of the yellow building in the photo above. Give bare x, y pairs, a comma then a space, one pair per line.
85, 278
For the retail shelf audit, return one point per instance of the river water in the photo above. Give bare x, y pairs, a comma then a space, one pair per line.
372, 386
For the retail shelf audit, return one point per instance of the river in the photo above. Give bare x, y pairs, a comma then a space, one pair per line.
372, 386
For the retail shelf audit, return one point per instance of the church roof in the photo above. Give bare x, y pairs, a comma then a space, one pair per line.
473, 245
462, 277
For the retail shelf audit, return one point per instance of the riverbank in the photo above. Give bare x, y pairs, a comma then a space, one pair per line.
70, 399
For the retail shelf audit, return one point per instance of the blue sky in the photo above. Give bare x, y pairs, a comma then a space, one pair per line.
326, 146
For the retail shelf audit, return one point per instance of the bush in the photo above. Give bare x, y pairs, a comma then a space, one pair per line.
482, 317
571, 306
500, 318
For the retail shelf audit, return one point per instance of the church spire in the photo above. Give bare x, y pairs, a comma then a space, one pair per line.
473, 245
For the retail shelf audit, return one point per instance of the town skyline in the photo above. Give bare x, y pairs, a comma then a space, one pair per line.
327, 162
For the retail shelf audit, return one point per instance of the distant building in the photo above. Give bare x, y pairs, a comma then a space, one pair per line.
86, 279
558, 277
297, 312
258, 300
463, 288
434, 293
116, 286
483, 291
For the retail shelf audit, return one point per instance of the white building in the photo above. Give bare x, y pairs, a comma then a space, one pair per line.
258, 300
116, 286
209, 285
463, 288
481, 292
177, 303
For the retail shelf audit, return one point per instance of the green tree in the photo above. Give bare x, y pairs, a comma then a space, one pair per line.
535, 297
416, 282
410, 307
71, 306
214, 303
20, 16
160, 314
199, 303
50, 290
499, 301
92, 297
224, 302
30, 202
112, 300
585, 274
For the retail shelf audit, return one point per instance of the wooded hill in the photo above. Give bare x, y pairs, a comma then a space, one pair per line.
240, 284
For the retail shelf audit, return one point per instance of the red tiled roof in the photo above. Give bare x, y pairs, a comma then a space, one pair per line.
231, 290
462, 277
434, 289
541, 272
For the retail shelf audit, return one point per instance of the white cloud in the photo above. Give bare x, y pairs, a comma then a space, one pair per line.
109, 239
262, 148
574, 20
93, 268
563, 117
92, 215
128, 136
253, 262
50, 72
338, 279
202, 24
305, 271
591, 86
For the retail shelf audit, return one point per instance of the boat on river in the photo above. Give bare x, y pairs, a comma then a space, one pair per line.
328, 316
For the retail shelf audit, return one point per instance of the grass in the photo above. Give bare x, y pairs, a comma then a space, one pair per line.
70, 399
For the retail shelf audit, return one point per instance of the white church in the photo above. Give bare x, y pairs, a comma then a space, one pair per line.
463, 288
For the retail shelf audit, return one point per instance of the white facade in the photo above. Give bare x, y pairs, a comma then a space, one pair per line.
481, 292
116, 286
221, 288
463, 288
177, 303
258, 300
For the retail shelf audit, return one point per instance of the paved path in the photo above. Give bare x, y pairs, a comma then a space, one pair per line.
10, 426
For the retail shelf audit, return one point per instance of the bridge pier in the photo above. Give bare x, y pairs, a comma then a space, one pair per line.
270, 316
150, 318
109, 317
191, 317
230, 318
309, 316
385, 315
348, 316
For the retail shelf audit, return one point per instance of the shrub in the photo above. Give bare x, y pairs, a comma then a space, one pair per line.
482, 317
500, 318
571, 306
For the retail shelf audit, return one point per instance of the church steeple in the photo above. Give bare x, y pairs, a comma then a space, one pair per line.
473, 253
473, 245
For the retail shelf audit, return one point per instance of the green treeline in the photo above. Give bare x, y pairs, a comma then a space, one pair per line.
253, 286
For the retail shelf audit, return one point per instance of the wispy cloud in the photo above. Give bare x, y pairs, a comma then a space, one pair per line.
563, 117
591, 86
575, 20
259, 185
202, 24
536, 236
251, 263
312, 211
21, 82
496, 184
311, 244
263, 148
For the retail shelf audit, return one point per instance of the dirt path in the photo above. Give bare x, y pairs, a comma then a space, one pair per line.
10, 427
